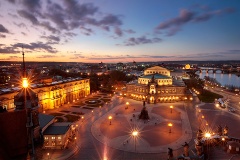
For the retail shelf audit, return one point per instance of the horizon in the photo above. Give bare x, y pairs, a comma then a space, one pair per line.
119, 31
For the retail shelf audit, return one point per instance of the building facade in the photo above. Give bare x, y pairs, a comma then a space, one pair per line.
53, 95
156, 86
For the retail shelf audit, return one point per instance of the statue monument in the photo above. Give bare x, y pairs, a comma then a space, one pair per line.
144, 113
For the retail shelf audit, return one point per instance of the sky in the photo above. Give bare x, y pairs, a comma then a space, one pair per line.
111, 31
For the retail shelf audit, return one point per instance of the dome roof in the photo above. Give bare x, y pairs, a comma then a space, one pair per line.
156, 68
156, 76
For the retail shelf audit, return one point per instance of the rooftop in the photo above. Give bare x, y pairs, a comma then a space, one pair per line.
156, 76
57, 129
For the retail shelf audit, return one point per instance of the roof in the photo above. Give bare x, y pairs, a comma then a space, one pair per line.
156, 68
156, 76
44, 119
57, 129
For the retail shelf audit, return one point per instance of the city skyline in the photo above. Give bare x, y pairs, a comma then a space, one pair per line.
119, 31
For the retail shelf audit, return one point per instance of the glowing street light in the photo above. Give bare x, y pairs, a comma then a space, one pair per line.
25, 83
171, 107
82, 118
110, 118
170, 126
135, 134
48, 155
127, 104
207, 135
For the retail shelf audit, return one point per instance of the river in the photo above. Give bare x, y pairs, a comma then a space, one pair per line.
224, 79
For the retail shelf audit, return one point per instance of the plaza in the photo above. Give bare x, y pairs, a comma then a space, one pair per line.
101, 137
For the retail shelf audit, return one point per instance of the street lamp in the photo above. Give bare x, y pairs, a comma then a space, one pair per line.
171, 107
25, 83
82, 118
48, 155
170, 126
207, 135
135, 134
127, 103
110, 118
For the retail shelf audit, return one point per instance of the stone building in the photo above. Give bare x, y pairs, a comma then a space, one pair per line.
53, 95
157, 86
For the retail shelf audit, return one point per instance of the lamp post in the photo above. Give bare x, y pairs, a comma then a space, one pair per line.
48, 155
127, 104
82, 118
110, 118
135, 134
170, 126
171, 107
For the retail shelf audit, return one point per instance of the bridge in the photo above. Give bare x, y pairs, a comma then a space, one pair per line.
214, 70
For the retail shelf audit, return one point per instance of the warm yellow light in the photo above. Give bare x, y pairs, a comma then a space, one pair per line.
170, 124
127, 103
202, 117
135, 133
207, 135
171, 106
82, 117
110, 117
223, 139
25, 83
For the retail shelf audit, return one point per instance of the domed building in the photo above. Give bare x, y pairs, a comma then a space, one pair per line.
156, 86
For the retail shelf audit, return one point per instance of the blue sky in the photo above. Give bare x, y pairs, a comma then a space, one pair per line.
119, 31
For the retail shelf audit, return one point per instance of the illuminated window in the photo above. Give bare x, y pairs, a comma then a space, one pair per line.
59, 137
53, 137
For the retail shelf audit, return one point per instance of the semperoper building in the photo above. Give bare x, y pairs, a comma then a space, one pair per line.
156, 86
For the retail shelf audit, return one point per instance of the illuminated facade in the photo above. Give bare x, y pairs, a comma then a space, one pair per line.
156, 86
54, 95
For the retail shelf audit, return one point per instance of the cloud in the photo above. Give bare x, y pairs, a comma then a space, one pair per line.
2, 36
36, 46
11, 1
51, 39
118, 31
77, 11
111, 20
86, 31
31, 5
206, 16
7, 50
3, 29
48, 26
130, 31
184, 17
23, 33
28, 16
172, 26
46, 56
13, 15
141, 40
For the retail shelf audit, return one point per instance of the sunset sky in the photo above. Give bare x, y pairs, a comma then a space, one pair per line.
119, 30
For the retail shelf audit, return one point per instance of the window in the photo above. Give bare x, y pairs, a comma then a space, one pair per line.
59, 138
53, 137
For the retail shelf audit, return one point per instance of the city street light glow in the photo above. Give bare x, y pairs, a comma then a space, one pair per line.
25, 83
135, 133
207, 135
